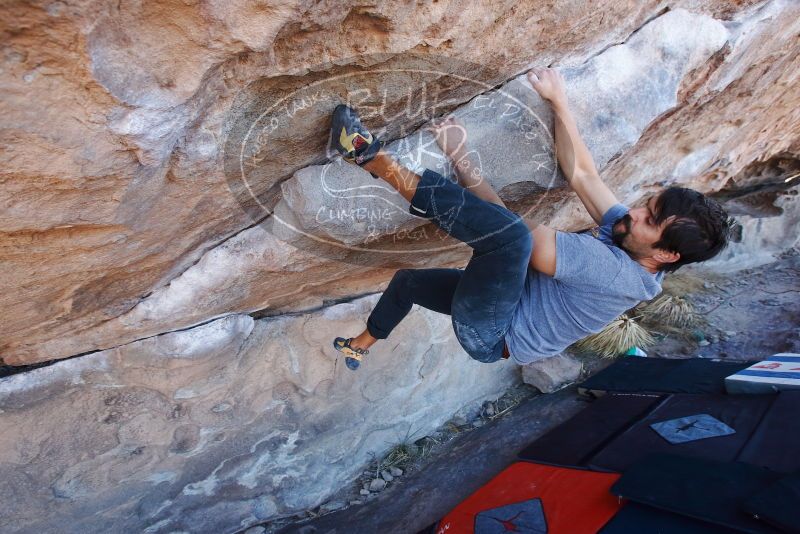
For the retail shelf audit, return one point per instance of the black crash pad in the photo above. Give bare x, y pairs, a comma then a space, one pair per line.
658, 375
776, 442
702, 489
779, 504
637, 518
574, 442
742, 413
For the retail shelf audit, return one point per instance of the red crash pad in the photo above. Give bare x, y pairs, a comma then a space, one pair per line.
534, 498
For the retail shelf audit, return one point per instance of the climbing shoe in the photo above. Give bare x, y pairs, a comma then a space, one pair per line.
350, 138
352, 355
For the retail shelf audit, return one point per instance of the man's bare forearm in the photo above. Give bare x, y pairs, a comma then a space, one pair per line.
577, 164
573, 155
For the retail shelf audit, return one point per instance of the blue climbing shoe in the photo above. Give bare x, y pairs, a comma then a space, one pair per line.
350, 138
352, 355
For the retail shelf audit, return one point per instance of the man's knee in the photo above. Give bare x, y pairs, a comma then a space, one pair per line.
402, 279
513, 231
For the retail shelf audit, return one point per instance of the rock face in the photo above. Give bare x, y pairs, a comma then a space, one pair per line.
763, 238
152, 213
551, 374
227, 424
114, 122
122, 283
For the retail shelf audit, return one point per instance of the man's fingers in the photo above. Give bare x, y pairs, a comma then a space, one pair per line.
547, 76
543, 72
535, 74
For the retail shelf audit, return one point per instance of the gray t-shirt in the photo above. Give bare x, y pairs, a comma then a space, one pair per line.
594, 283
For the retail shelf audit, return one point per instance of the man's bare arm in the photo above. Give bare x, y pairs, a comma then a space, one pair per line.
543, 255
574, 157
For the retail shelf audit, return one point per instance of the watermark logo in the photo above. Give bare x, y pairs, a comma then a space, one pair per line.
451, 117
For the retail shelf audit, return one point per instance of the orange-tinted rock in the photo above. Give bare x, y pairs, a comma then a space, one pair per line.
114, 117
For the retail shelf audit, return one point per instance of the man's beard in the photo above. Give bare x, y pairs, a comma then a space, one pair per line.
618, 236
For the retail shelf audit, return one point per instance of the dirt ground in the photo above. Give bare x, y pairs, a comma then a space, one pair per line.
748, 314
745, 315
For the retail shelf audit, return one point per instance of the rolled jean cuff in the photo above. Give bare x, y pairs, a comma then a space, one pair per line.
374, 331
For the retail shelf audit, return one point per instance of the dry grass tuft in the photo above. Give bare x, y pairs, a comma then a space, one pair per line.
617, 337
399, 456
671, 311
405, 452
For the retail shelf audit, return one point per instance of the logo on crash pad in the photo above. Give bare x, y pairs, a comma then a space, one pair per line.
525, 517
691, 428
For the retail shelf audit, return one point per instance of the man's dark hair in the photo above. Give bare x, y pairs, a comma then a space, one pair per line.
701, 228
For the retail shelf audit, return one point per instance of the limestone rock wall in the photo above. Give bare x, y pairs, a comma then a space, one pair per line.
203, 394
763, 238
115, 119
227, 424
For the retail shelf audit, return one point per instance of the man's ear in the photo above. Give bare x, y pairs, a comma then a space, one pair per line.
665, 256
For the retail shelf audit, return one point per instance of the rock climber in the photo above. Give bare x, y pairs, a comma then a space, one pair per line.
528, 290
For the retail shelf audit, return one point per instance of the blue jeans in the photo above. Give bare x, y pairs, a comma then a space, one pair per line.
480, 298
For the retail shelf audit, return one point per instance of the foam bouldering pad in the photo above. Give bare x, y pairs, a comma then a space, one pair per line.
658, 375
741, 413
531, 498
637, 518
779, 504
702, 489
776, 441
775, 373
628, 375
575, 441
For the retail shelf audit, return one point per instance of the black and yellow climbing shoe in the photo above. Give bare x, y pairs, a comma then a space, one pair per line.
350, 138
352, 355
